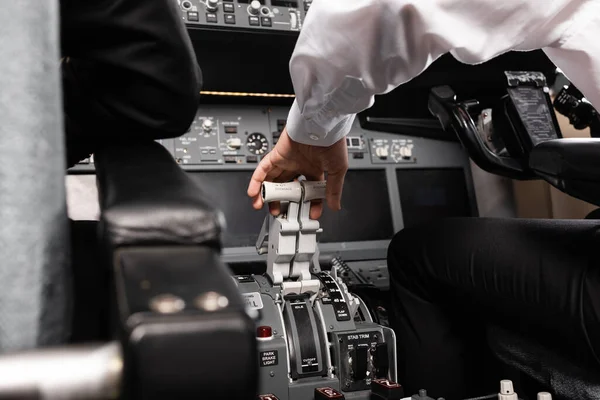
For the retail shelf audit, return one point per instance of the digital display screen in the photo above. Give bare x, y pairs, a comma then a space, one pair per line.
427, 195
226, 190
366, 213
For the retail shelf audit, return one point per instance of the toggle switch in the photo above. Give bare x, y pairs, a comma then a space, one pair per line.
359, 363
381, 360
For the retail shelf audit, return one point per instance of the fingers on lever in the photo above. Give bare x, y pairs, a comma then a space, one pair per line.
258, 177
316, 209
316, 206
275, 208
335, 184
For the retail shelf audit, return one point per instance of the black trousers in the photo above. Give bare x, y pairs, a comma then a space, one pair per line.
540, 278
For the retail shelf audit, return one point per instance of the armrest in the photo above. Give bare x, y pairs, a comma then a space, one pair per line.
571, 165
147, 199
180, 318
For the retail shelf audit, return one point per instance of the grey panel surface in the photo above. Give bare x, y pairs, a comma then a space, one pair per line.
305, 390
374, 272
33, 233
331, 324
273, 375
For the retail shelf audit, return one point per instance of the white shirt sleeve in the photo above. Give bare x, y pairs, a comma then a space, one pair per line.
350, 50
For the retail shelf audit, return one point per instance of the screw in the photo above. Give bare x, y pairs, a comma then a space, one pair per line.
267, 290
330, 326
271, 374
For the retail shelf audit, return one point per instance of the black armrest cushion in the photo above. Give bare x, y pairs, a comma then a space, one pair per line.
571, 165
147, 199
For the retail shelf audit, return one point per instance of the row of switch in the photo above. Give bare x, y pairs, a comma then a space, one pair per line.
230, 19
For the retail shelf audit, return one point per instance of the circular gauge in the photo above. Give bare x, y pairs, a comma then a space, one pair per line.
257, 144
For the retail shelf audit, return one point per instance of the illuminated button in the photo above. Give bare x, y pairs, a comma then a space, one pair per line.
253, 21
211, 18
264, 332
193, 16
228, 8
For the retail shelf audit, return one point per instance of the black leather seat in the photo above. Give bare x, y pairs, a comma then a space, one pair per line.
177, 324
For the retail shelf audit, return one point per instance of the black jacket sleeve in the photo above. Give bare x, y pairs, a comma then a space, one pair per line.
129, 72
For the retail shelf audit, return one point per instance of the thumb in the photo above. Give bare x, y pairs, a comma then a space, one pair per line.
335, 184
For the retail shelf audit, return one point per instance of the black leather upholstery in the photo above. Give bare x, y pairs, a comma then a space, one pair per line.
571, 165
147, 199
566, 379
162, 243
193, 353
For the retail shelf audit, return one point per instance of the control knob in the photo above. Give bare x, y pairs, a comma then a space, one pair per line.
405, 152
382, 152
207, 125
234, 143
212, 5
254, 7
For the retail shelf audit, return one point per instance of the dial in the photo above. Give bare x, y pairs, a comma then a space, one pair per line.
257, 144
212, 5
207, 125
254, 7
382, 152
401, 152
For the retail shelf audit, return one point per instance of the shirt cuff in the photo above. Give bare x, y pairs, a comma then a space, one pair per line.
324, 132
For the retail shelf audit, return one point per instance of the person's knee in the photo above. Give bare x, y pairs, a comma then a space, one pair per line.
406, 253
421, 252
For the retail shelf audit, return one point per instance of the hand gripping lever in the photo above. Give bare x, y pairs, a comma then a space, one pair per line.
290, 239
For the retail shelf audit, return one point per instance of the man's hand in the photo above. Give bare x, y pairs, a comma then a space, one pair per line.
290, 159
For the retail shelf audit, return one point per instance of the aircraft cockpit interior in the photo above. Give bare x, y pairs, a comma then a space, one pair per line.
177, 288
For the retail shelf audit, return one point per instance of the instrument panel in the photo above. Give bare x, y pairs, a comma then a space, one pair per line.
265, 15
242, 135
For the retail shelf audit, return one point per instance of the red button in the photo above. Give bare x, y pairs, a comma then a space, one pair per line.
264, 332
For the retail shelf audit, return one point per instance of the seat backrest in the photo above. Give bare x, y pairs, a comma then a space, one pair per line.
33, 221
